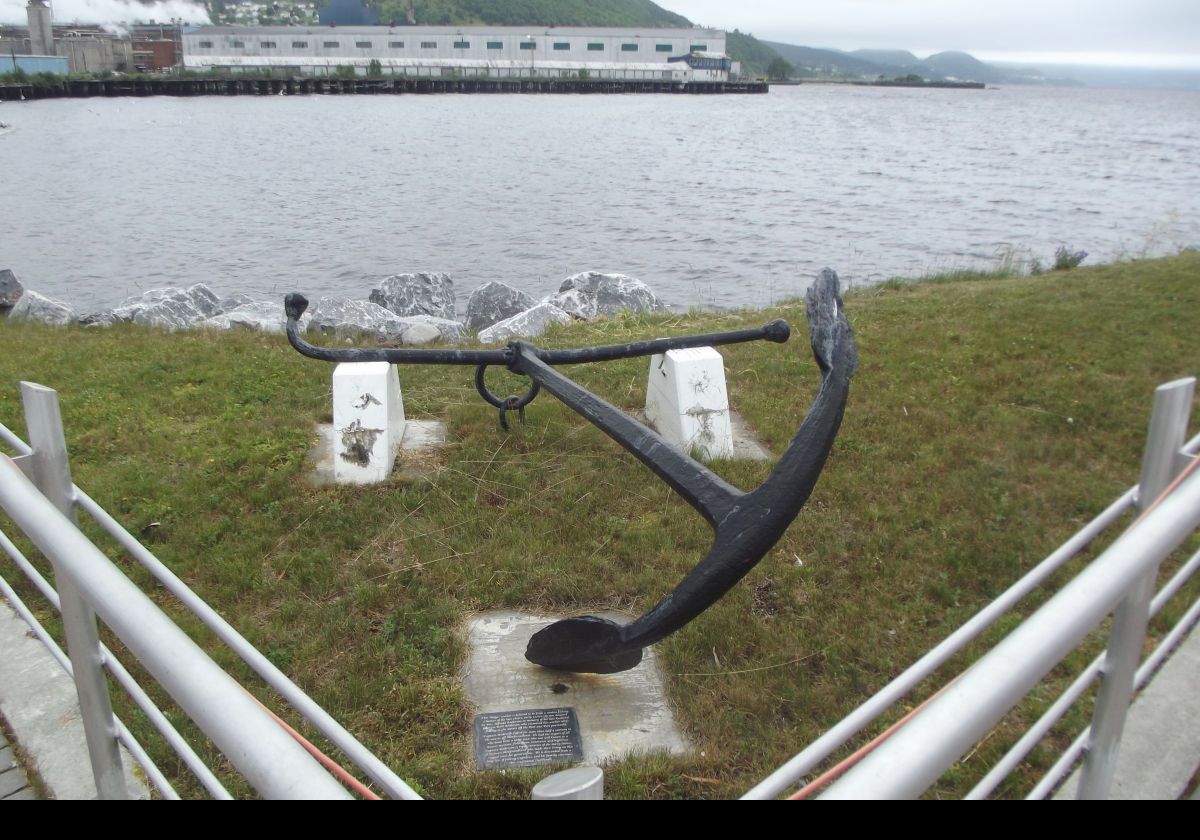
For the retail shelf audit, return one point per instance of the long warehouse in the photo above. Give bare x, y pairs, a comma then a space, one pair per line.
688, 55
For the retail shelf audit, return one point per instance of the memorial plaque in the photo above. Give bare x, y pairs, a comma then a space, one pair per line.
527, 738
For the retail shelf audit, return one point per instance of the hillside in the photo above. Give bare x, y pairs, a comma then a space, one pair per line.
533, 12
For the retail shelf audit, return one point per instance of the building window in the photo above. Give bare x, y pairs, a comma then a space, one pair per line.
206, 45
529, 45
299, 45
698, 48
662, 47
495, 45
462, 45
595, 47
396, 45
362, 45
561, 45
238, 45
629, 48
330, 45
267, 45
429, 45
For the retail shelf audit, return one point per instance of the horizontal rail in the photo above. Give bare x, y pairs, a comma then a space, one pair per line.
15, 442
271, 761
1061, 767
820, 749
1030, 739
123, 734
933, 740
308, 708
170, 734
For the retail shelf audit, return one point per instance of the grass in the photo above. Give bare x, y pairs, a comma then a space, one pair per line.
988, 421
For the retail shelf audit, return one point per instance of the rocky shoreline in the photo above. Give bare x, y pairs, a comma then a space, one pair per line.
408, 309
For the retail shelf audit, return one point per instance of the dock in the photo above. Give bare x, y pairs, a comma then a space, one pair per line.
306, 85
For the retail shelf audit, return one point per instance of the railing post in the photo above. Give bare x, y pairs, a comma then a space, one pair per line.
52, 475
1160, 465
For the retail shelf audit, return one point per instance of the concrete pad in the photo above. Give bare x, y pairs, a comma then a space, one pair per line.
1160, 747
419, 436
39, 702
746, 445
618, 714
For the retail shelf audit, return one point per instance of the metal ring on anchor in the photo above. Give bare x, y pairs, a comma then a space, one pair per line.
507, 404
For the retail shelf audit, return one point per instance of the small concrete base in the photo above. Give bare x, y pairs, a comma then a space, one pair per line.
619, 714
746, 446
419, 436
688, 403
39, 702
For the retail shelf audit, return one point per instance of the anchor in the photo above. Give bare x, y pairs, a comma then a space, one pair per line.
746, 525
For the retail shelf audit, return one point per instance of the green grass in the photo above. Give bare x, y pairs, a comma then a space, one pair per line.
988, 421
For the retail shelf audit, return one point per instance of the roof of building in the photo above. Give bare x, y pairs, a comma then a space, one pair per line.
599, 31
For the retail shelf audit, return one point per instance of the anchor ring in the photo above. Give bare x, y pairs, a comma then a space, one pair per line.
508, 403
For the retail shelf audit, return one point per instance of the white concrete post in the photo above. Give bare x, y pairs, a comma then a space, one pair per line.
687, 402
368, 421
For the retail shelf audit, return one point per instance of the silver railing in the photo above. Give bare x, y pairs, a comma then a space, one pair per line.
37, 494
1122, 577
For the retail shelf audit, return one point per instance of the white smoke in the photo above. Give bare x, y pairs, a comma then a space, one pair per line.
111, 13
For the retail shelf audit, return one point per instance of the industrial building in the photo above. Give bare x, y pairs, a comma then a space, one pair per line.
87, 48
685, 55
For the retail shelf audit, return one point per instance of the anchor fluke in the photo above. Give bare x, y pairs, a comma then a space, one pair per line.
582, 644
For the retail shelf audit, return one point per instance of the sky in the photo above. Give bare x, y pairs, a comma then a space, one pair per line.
1152, 33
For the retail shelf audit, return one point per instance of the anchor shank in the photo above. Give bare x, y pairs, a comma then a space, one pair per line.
699, 486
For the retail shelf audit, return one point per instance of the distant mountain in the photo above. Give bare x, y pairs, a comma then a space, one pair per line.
857, 65
960, 65
829, 63
893, 58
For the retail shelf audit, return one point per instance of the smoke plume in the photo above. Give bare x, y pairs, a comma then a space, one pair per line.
111, 13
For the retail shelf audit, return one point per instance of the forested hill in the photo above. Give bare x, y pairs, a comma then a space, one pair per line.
753, 54
532, 12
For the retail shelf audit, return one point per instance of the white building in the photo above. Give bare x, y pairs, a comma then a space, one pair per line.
686, 55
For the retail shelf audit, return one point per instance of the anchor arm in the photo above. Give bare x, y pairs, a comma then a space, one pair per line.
751, 527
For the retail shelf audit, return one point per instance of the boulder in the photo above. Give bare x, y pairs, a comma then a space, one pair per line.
262, 315
237, 299
528, 324
171, 308
103, 318
344, 318
416, 294
44, 310
591, 294
422, 329
493, 302
10, 291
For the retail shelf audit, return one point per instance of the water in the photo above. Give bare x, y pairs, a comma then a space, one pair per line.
714, 201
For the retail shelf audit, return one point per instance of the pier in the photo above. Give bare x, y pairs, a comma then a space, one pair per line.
303, 86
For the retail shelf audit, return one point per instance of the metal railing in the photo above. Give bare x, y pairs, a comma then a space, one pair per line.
1122, 577
36, 492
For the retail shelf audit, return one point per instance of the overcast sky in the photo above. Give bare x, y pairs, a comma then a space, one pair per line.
1143, 32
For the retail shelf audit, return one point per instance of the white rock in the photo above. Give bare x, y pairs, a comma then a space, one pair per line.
591, 294
417, 294
528, 324
45, 310
171, 308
